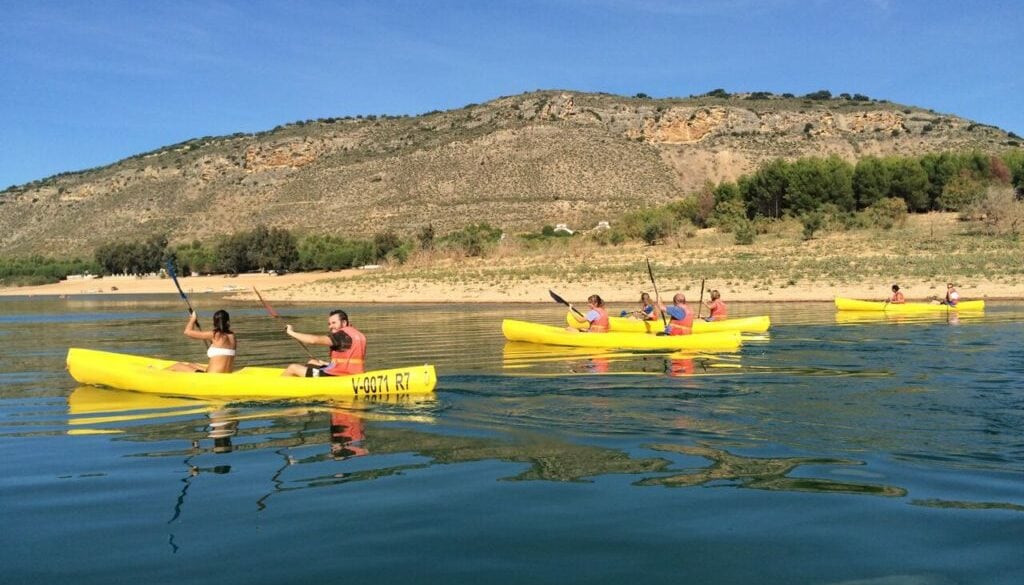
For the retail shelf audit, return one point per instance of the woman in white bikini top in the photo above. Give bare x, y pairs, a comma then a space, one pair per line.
223, 345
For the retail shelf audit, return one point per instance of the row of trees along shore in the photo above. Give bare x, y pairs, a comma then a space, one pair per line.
872, 193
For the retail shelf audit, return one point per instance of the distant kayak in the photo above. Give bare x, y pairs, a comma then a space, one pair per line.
856, 305
146, 374
758, 324
538, 333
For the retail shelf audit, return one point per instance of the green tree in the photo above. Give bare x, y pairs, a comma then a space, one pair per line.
650, 224
744, 232
812, 222
940, 168
268, 249
195, 257
136, 257
910, 183
384, 243
232, 253
871, 181
821, 94
475, 239
813, 182
1014, 160
886, 213
765, 190
962, 192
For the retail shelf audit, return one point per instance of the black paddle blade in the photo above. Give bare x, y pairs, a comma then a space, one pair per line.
557, 298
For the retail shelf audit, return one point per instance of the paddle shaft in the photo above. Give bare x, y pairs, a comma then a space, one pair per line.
657, 297
184, 297
700, 303
274, 315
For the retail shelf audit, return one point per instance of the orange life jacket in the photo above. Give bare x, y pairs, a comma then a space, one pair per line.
718, 310
601, 324
681, 326
348, 361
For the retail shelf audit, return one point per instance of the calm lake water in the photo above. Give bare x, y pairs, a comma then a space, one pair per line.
870, 452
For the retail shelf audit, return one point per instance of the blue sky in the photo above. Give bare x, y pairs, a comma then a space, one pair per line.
87, 83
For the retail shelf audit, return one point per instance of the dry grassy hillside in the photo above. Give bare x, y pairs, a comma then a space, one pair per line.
516, 162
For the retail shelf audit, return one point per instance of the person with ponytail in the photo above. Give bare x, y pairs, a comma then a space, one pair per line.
596, 317
222, 349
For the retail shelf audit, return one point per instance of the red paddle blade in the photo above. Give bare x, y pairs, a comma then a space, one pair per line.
266, 305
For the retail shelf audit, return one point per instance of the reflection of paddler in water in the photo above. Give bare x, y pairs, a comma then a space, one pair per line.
681, 364
681, 367
596, 365
222, 428
346, 435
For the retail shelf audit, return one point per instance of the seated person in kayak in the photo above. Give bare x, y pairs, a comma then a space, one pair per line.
717, 308
952, 296
347, 349
647, 310
597, 316
223, 344
897, 296
680, 317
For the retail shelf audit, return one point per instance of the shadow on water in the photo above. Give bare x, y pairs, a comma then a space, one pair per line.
763, 473
339, 434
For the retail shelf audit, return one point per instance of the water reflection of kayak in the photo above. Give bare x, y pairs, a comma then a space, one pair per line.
537, 333
848, 317
146, 374
857, 305
758, 324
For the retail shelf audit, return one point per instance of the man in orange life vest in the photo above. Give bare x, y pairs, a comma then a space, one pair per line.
348, 349
681, 322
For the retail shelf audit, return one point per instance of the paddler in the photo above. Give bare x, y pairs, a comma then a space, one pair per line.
347, 349
648, 311
222, 348
681, 318
897, 296
952, 296
597, 316
717, 308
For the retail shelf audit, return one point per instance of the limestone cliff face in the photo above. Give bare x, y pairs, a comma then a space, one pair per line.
517, 162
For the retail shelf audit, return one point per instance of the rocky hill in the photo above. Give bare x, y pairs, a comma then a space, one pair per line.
516, 162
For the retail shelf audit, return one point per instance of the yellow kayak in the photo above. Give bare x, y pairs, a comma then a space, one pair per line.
856, 305
537, 333
758, 324
146, 374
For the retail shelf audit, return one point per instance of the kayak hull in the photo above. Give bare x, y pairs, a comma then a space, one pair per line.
146, 374
758, 324
858, 305
537, 333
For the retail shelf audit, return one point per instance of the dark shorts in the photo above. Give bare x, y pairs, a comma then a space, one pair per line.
316, 372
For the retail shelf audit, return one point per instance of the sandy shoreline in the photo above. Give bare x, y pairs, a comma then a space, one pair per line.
339, 287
